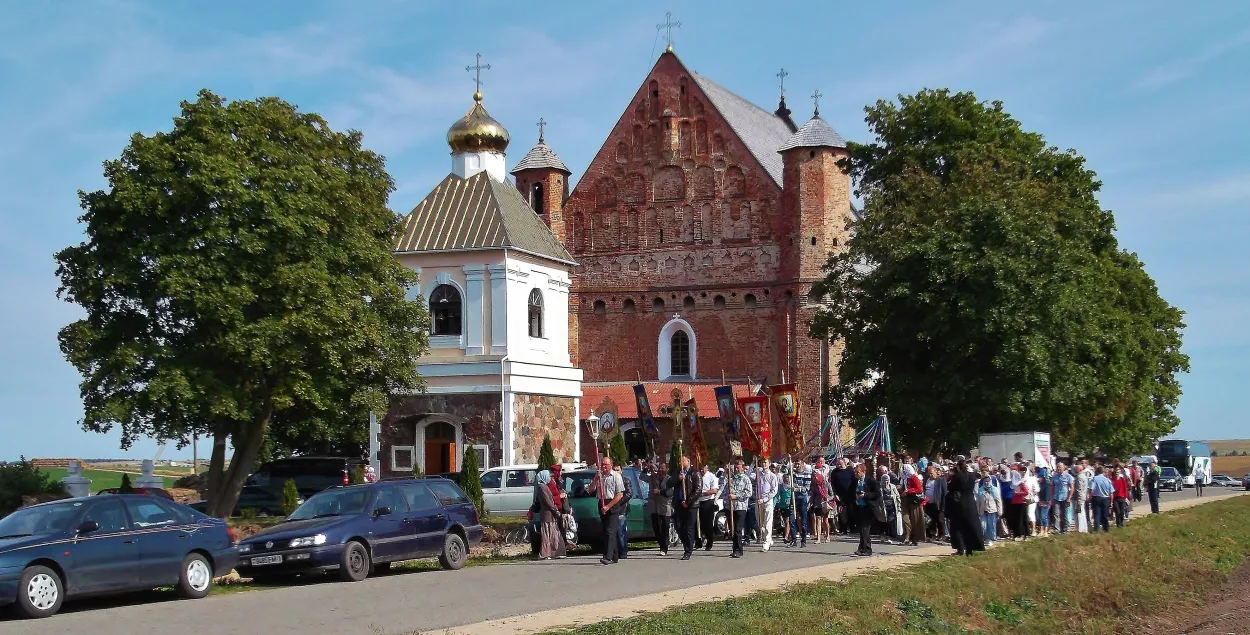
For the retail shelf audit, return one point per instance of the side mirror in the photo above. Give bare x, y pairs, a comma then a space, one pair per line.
382, 511
88, 527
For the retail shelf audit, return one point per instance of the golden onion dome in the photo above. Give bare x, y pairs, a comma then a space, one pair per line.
477, 131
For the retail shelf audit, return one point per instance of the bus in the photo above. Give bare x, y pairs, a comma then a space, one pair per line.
1186, 456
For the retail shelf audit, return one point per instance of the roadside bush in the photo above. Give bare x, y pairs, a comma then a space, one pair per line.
546, 455
616, 449
290, 497
471, 482
23, 479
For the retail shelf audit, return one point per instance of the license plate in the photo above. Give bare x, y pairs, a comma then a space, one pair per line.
266, 560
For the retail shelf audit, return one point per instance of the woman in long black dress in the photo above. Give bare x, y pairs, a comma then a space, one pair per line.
961, 511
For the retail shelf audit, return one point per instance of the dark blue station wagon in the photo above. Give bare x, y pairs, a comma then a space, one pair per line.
357, 529
108, 544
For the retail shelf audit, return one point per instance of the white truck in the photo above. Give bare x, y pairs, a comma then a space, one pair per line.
1035, 446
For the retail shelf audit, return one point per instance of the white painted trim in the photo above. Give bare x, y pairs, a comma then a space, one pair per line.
419, 435
498, 308
484, 460
527, 369
663, 357
412, 453
506, 423
473, 309
577, 428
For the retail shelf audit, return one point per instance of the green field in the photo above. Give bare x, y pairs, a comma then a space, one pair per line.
1086, 583
100, 479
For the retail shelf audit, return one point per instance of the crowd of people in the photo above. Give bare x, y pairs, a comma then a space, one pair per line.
970, 503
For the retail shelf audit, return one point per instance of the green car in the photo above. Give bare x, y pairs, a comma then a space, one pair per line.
586, 510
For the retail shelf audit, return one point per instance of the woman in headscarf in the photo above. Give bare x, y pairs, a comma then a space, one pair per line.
990, 504
551, 543
913, 506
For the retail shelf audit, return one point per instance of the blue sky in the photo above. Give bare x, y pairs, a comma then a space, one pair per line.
1154, 94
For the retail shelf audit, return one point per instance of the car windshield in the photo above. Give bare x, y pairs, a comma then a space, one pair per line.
333, 503
1170, 472
575, 484
40, 521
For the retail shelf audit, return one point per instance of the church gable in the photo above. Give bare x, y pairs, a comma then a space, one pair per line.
687, 162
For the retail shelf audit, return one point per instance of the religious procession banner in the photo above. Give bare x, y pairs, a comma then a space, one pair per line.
786, 398
756, 429
644, 408
698, 443
650, 432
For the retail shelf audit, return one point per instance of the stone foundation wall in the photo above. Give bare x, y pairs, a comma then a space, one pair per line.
477, 415
533, 417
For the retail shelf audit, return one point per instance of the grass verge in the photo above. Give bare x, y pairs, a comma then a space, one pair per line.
1082, 583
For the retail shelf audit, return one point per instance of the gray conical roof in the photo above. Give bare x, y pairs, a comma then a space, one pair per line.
814, 134
541, 156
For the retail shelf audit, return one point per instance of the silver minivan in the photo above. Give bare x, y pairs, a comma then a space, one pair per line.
508, 490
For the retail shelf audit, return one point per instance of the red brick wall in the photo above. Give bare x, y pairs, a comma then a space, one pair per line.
674, 205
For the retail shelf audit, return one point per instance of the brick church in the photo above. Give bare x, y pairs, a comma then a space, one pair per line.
684, 258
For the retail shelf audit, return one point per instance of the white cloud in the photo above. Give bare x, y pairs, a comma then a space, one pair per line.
1183, 67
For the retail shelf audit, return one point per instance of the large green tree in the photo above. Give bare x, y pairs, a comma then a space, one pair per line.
984, 289
238, 283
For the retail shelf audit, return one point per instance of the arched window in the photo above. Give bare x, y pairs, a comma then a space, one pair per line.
719, 302
679, 354
749, 301
536, 198
657, 304
536, 313
600, 307
445, 310
628, 307
688, 304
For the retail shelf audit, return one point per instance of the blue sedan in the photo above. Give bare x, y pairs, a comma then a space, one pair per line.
108, 544
358, 529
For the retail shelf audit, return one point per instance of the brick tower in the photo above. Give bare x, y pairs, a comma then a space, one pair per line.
543, 180
816, 211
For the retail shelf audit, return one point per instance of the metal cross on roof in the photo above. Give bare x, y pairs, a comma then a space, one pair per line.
668, 29
477, 69
782, 84
541, 124
816, 102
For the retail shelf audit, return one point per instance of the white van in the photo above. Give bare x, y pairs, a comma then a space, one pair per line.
508, 490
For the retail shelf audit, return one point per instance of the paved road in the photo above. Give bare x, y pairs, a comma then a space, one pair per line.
404, 603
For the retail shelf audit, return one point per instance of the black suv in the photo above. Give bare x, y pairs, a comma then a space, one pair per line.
357, 529
312, 474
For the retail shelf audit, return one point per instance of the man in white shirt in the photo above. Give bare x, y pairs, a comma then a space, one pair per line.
767, 482
1200, 478
707, 505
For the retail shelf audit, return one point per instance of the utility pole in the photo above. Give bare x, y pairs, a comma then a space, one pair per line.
195, 454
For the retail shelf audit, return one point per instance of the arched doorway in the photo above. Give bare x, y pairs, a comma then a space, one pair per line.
440, 448
635, 442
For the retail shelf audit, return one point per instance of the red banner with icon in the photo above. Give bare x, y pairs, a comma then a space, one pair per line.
755, 425
786, 399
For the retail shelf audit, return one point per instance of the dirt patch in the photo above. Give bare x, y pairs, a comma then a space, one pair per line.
1225, 612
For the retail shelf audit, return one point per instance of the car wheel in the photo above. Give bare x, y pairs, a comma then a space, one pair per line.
39, 593
354, 565
195, 578
453, 555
